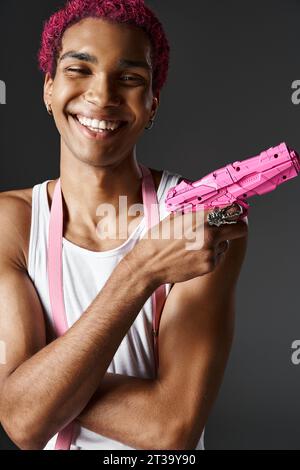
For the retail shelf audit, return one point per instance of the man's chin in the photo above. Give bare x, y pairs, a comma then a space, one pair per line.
94, 158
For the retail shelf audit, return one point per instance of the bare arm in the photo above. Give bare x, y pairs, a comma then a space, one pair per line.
44, 387
195, 338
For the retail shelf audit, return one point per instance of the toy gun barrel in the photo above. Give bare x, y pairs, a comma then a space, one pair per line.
237, 181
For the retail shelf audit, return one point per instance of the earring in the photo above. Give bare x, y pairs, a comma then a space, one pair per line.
150, 125
49, 109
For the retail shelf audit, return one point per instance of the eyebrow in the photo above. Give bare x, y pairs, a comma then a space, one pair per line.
123, 63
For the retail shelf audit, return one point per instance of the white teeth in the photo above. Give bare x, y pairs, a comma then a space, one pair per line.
95, 130
94, 124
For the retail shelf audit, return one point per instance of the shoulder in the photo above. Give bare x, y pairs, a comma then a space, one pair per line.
15, 205
15, 221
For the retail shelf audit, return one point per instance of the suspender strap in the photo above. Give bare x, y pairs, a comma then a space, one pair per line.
55, 280
151, 209
55, 277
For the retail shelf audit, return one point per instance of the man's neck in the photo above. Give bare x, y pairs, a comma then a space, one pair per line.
86, 187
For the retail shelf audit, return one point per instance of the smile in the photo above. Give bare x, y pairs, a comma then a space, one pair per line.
98, 130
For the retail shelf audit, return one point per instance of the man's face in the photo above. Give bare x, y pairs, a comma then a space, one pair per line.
103, 74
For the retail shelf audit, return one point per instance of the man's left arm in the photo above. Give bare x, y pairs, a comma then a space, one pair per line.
195, 337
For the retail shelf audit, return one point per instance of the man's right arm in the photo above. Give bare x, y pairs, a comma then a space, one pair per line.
44, 387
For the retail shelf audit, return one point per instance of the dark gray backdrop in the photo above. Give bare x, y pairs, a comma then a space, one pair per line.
228, 97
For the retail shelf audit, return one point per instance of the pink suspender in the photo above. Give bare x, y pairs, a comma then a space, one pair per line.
55, 282
152, 218
55, 277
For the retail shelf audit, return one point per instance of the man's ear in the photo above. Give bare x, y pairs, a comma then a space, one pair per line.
155, 105
48, 85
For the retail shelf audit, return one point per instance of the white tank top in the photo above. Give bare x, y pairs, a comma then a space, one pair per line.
85, 273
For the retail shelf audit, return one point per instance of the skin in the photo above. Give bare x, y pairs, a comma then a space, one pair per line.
107, 168
192, 359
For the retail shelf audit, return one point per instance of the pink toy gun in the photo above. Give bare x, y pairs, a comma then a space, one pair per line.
236, 182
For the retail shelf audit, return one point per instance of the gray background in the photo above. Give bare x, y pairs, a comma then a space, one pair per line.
228, 97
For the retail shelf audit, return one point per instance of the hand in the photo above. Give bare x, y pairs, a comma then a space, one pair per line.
171, 259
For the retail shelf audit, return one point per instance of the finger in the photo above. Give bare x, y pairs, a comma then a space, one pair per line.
222, 247
219, 258
232, 231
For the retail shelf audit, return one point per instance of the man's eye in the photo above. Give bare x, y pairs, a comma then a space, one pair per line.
128, 78
76, 70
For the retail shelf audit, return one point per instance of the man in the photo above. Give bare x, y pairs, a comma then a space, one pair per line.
105, 64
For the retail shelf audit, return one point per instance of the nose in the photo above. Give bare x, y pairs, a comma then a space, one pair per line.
102, 92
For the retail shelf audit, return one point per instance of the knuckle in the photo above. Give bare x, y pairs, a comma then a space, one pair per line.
242, 227
245, 226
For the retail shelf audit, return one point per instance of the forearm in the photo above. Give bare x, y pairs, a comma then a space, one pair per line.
131, 410
52, 387
149, 414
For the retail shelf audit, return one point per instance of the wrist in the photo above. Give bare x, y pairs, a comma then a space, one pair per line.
140, 267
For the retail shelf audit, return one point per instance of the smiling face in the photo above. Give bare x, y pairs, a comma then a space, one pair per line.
101, 95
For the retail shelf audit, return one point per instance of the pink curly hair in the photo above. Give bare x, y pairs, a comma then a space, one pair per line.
133, 12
